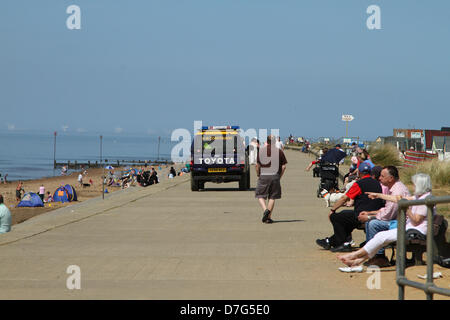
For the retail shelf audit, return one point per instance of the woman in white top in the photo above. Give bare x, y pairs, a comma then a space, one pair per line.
42, 192
415, 219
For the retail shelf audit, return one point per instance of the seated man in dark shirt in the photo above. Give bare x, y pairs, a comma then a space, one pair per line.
345, 221
153, 177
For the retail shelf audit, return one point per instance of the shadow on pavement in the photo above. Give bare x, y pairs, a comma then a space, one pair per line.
277, 221
226, 189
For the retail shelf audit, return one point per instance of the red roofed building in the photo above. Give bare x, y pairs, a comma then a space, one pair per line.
429, 134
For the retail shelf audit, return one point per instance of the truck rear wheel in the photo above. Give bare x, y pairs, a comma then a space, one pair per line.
243, 183
194, 184
248, 179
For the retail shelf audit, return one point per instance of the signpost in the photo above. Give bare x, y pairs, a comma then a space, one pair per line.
347, 118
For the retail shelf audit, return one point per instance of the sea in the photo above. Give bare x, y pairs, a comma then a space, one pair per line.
26, 156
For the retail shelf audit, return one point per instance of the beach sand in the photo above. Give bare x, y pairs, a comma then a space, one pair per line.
52, 183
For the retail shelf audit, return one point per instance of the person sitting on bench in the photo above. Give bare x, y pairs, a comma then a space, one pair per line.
415, 219
377, 221
345, 221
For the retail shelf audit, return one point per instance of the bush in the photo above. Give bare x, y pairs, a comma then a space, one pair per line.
385, 155
439, 172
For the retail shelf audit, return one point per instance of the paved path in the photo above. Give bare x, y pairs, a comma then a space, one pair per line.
166, 242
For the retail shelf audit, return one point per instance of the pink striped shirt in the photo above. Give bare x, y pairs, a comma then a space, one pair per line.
390, 210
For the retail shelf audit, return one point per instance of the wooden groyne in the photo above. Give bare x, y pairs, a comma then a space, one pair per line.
119, 163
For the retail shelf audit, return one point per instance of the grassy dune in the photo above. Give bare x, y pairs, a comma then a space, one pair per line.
439, 172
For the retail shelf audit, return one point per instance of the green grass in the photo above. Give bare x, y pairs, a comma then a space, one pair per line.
385, 155
439, 171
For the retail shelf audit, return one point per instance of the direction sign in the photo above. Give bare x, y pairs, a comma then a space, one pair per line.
347, 117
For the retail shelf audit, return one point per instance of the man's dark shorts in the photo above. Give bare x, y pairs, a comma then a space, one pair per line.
268, 186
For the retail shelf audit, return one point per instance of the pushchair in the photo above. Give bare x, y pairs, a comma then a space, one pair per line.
316, 170
329, 174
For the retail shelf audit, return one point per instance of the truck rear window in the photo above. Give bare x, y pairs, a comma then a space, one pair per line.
217, 143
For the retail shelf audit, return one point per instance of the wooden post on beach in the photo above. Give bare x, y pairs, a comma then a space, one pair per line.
159, 140
54, 151
101, 140
103, 175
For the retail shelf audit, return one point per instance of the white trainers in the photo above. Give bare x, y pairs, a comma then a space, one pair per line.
351, 269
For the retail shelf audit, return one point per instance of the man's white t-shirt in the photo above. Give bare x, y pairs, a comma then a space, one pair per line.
279, 145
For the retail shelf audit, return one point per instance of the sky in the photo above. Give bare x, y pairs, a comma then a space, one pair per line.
149, 67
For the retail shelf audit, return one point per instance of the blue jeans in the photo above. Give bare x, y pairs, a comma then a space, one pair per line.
373, 227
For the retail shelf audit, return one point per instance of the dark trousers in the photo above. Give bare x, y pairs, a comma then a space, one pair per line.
344, 222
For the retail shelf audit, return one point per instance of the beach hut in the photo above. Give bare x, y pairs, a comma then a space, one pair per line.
72, 193
61, 195
31, 199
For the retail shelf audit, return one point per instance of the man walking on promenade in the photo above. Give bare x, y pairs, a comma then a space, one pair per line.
270, 167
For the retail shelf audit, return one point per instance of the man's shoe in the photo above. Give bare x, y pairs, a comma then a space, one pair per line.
324, 243
266, 215
346, 247
379, 261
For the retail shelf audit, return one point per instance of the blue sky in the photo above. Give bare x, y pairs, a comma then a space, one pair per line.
148, 67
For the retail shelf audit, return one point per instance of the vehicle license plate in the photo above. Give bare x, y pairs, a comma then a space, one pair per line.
217, 169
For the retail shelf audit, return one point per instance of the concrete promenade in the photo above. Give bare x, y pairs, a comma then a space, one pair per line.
166, 242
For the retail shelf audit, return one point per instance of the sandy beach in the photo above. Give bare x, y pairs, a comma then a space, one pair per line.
52, 183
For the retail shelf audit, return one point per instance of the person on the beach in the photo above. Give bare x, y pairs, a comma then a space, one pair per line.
172, 172
19, 190
270, 167
63, 170
415, 219
154, 177
80, 179
42, 192
5, 217
49, 197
